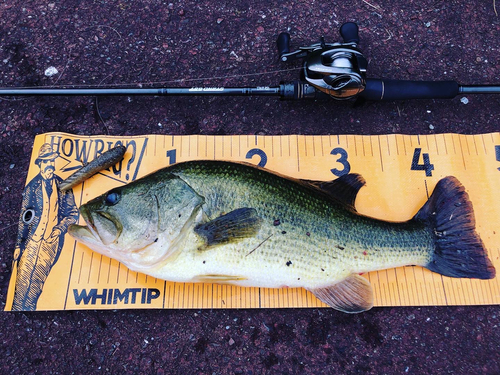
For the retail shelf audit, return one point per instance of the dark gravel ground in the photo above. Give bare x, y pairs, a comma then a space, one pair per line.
119, 42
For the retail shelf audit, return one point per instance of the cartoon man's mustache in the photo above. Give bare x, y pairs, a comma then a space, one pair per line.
49, 168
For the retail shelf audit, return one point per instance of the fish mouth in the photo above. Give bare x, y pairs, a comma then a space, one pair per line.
101, 227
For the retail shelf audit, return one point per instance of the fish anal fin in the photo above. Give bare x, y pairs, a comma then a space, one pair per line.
231, 227
352, 295
344, 189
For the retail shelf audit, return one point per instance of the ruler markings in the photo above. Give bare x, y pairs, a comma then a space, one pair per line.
495, 283
462, 152
436, 142
415, 282
484, 144
397, 286
409, 290
424, 283
453, 142
118, 273
80, 271
380, 154
99, 271
466, 142
479, 293
445, 145
90, 267
109, 270
475, 145
379, 288
298, 154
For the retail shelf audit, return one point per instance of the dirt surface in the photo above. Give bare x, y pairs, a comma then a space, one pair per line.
184, 43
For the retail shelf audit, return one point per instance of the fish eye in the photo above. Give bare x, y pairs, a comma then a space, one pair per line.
112, 198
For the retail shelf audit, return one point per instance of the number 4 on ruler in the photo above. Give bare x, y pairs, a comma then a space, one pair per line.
426, 166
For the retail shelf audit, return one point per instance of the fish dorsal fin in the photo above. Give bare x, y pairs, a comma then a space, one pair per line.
344, 189
231, 227
352, 295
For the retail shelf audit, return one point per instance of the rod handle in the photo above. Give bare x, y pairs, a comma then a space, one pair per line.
283, 44
389, 90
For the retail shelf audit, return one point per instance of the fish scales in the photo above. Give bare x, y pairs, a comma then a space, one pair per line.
299, 226
223, 222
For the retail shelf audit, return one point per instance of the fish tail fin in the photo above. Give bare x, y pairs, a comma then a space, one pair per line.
459, 251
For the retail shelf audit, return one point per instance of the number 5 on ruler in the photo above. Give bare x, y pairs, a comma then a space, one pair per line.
426, 166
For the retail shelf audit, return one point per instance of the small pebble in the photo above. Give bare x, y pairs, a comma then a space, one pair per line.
464, 100
51, 71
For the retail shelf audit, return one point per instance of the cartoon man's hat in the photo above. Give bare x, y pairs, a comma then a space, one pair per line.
46, 153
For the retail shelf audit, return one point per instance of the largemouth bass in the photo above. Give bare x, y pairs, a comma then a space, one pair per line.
222, 222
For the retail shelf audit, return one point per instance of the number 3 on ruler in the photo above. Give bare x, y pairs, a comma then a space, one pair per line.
342, 160
426, 166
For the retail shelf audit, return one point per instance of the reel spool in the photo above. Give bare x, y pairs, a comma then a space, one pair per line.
337, 69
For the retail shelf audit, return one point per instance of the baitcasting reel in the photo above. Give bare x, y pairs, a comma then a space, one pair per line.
337, 69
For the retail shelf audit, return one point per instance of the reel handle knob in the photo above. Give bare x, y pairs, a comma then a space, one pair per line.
349, 32
283, 43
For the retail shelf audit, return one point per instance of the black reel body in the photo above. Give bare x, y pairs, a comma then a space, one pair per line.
336, 69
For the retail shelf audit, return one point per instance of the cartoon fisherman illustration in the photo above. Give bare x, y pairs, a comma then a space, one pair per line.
46, 214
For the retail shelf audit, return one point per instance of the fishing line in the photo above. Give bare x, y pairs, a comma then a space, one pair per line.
181, 80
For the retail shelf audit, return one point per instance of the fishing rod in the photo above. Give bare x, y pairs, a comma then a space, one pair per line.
330, 70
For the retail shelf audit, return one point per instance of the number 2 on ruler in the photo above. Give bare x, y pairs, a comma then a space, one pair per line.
426, 166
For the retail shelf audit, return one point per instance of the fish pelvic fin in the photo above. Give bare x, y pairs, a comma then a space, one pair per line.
231, 227
459, 251
352, 295
343, 190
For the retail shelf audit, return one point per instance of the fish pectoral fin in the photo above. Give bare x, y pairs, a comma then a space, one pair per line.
352, 295
344, 189
231, 227
218, 279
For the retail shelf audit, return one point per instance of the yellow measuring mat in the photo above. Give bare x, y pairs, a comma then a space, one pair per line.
52, 271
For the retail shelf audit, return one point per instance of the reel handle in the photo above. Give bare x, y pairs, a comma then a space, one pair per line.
283, 44
350, 32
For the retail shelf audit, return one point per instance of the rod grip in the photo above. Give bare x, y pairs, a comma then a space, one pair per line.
389, 90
